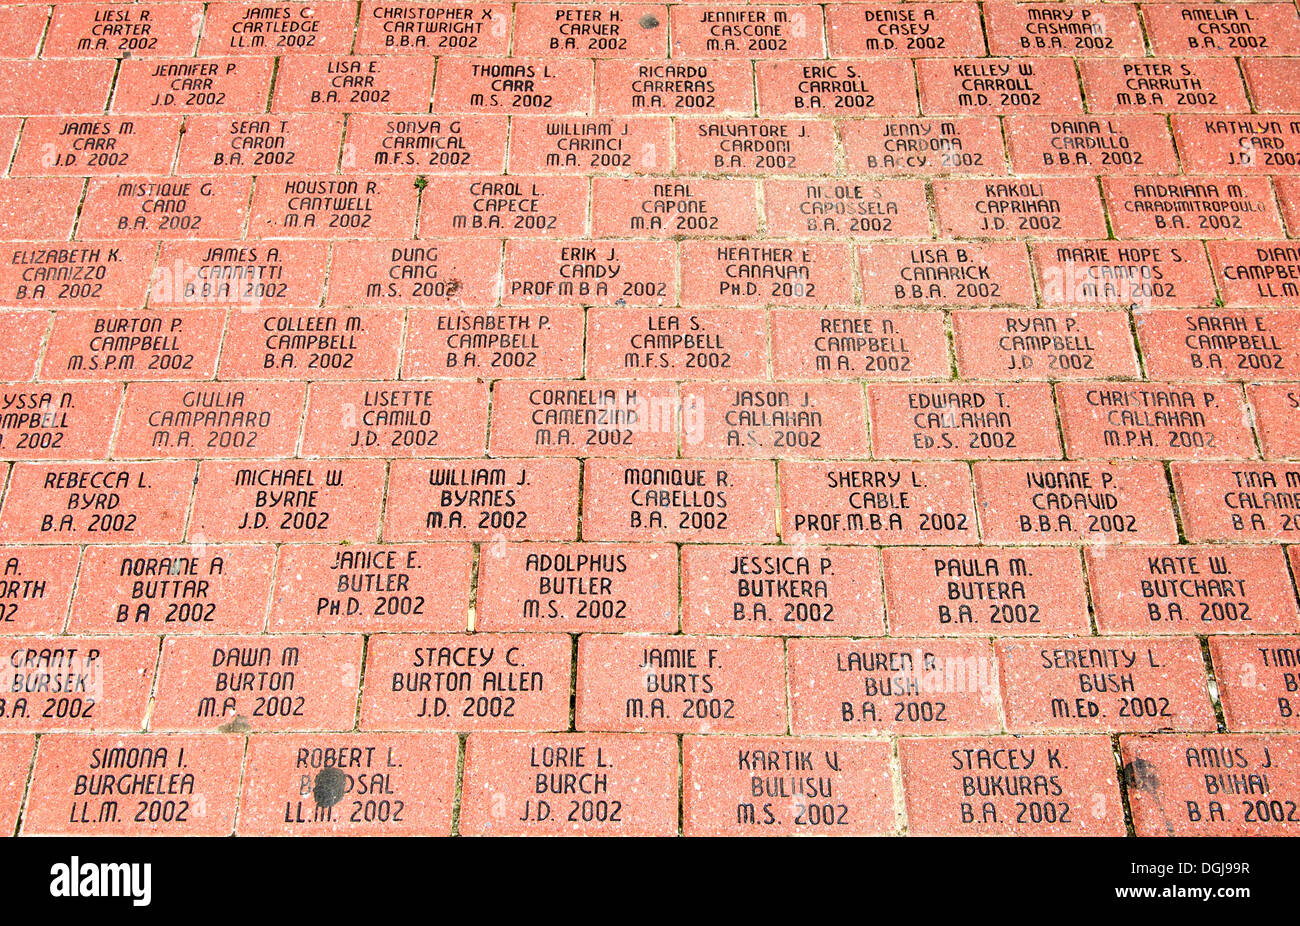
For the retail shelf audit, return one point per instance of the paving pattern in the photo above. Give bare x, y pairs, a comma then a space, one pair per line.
446, 417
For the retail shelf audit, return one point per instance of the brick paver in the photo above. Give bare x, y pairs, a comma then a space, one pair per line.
602, 417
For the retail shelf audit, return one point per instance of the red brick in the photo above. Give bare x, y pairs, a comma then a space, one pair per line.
520, 207
459, 143
962, 420
298, 142
933, 147
590, 418
913, 29
1002, 86
751, 31
576, 588
110, 145
1003, 785
1122, 273
1218, 785
189, 420
876, 503
628, 88
280, 274
1059, 502
71, 422
1288, 197
1219, 344
1082, 685
842, 88
681, 684
122, 30
855, 344
556, 144
1203, 29
316, 343
764, 147
175, 589
392, 419
363, 587
892, 686
482, 500
1162, 85
569, 784
679, 501
1058, 207
766, 272
195, 778
481, 681
1064, 29
781, 591
1158, 421
251, 27
1272, 83
440, 28
21, 337
409, 273
1237, 501
51, 88
659, 208
1275, 406
767, 421
523, 85
592, 30
1191, 589
676, 343
32, 210
955, 273
15, 765
292, 500
1254, 273
98, 502
584, 272
349, 785
37, 588
734, 786
21, 29
239, 684
884, 209
471, 343
333, 207
1247, 144
75, 683
1167, 207
182, 207
193, 85
1008, 591
353, 84
1043, 344
140, 344
1257, 681
1087, 146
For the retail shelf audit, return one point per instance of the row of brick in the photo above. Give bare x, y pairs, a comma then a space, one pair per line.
638, 683
559, 85
718, 345
595, 418
648, 784
684, 30
687, 501
1128, 149
755, 590
261, 277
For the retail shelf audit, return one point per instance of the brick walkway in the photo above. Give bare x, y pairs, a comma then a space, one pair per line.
867, 417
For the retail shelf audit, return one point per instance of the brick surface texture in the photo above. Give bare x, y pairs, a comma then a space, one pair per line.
473, 417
